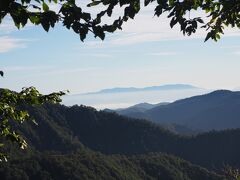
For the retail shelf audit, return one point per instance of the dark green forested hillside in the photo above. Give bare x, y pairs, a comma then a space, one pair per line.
59, 148
88, 165
65, 129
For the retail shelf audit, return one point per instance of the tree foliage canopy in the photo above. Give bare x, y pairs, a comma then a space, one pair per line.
11, 112
220, 13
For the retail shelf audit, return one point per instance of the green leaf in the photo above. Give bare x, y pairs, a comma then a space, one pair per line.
34, 19
1, 73
94, 3
209, 35
146, 2
173, 22
45, 7
200, 20
45, 24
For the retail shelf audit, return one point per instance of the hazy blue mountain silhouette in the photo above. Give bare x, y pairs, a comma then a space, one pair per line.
217, 110
152, 88
141, 107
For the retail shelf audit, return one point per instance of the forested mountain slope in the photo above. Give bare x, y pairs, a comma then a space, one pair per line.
65, 129
218, 110
88, 165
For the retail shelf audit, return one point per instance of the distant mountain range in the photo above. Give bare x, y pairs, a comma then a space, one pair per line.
214, 111
80, 142
141, 107
123, 97
152, 88
137, 111
67, 129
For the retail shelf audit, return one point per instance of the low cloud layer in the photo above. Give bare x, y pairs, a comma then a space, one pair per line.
8, 43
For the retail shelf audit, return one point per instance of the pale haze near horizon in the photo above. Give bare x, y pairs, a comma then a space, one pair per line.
127, 99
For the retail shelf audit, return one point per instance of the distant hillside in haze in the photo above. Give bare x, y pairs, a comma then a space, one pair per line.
217, 110
124, 97
152, 88
141, 107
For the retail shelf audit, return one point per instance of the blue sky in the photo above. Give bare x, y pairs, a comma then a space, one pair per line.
147, 52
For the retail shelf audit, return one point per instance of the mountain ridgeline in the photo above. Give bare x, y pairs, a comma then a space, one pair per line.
80, 142
218, 110
166, 87
60, 148
67, 129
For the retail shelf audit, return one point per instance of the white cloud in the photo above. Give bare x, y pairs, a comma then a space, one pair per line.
9, 43
136, 38
148, 28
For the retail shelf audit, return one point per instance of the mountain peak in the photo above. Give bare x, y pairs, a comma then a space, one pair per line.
150, 88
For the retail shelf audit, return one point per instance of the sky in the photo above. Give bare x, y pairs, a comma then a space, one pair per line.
147, 52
